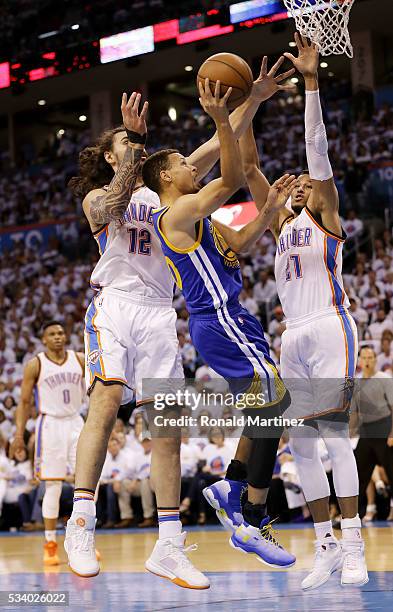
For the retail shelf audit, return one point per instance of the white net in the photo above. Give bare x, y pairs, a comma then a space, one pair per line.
325, 22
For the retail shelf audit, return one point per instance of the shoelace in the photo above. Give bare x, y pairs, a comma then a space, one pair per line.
351, 556
267, 532
180, 554
84, 541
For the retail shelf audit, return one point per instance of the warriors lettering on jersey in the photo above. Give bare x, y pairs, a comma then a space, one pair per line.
300, 237
230, 258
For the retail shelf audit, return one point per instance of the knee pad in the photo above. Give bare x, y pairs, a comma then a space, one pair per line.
51, 500
344, 468
309, 466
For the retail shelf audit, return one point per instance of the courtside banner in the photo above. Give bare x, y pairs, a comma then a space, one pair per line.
36, 236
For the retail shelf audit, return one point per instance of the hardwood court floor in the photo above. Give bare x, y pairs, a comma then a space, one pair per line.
237, 580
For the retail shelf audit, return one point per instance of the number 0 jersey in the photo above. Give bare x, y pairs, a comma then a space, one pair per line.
131, 256
208, 272
60, 389
308, 268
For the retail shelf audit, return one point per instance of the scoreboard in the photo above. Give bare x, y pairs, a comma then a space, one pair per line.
214, 22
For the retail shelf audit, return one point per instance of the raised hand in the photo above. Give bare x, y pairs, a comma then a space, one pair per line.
308, 57
280, 191
132, 119
214, 106
268, 83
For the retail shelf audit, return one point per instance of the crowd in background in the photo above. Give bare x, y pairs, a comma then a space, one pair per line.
52, 283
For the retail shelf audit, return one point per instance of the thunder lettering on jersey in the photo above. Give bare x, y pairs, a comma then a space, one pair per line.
208, 273
308, 267
131, 257
60, 387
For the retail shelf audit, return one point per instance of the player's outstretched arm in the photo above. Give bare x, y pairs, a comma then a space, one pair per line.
102, 206
22, 412
190, 208
257, 182
264, 87
278, 194
324, 197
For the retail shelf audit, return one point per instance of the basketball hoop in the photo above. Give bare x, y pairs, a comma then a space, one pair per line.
324, 22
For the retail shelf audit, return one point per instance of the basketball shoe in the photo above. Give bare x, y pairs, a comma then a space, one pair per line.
262, 543
354, 570
224, 496
50, 554
79, 545
328, 559
169, 560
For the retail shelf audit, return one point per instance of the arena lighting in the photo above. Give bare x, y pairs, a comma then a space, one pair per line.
60, 133
292, 43
324, 64
82, 118
127, 44
254, 8
294, 80
41, 102
75, 26
172, 113
48, 34
5, 79
188, 68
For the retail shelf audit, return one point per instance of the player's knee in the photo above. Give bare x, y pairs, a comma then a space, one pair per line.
104, 405
51, 500
305, 447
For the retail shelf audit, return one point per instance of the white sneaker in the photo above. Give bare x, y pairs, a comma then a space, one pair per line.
354, 564
328, 559
79, 545
169, 560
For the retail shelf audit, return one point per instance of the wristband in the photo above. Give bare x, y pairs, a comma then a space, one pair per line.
136, 138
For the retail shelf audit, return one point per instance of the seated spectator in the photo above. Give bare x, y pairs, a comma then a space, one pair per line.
215, 458
385, 357
265, 289
17, 474
352, 225
382, 323
136, 483
114, 469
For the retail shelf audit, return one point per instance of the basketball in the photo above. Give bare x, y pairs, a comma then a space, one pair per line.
232, 71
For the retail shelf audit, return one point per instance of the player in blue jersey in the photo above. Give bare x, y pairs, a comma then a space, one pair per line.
202, 257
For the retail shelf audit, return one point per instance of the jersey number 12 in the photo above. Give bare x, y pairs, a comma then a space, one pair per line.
140, 241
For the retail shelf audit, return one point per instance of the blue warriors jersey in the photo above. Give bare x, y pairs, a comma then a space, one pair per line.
208, 273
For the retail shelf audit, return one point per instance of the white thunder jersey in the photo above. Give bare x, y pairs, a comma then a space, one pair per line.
308, 268
131, 255
60, 387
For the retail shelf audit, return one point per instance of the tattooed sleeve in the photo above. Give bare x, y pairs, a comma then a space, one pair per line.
112, 205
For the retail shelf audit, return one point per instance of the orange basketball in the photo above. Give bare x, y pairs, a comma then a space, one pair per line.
232, 71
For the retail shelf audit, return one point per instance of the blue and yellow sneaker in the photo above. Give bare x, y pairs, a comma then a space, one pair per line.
224, 496
262, 543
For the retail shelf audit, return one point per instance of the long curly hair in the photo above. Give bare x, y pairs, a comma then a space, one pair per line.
94, 170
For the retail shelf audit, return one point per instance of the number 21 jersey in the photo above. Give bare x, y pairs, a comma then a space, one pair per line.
308, 268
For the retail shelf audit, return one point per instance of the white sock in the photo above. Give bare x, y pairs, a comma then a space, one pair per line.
169, 524
323, 530
352, 528
84, 505
50, 536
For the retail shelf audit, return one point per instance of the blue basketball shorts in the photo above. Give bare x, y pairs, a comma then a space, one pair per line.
232, 342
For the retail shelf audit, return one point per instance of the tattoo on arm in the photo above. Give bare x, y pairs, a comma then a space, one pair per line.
113, 204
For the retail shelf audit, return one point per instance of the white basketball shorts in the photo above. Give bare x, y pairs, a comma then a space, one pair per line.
56, 439
318, 362
133, 341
